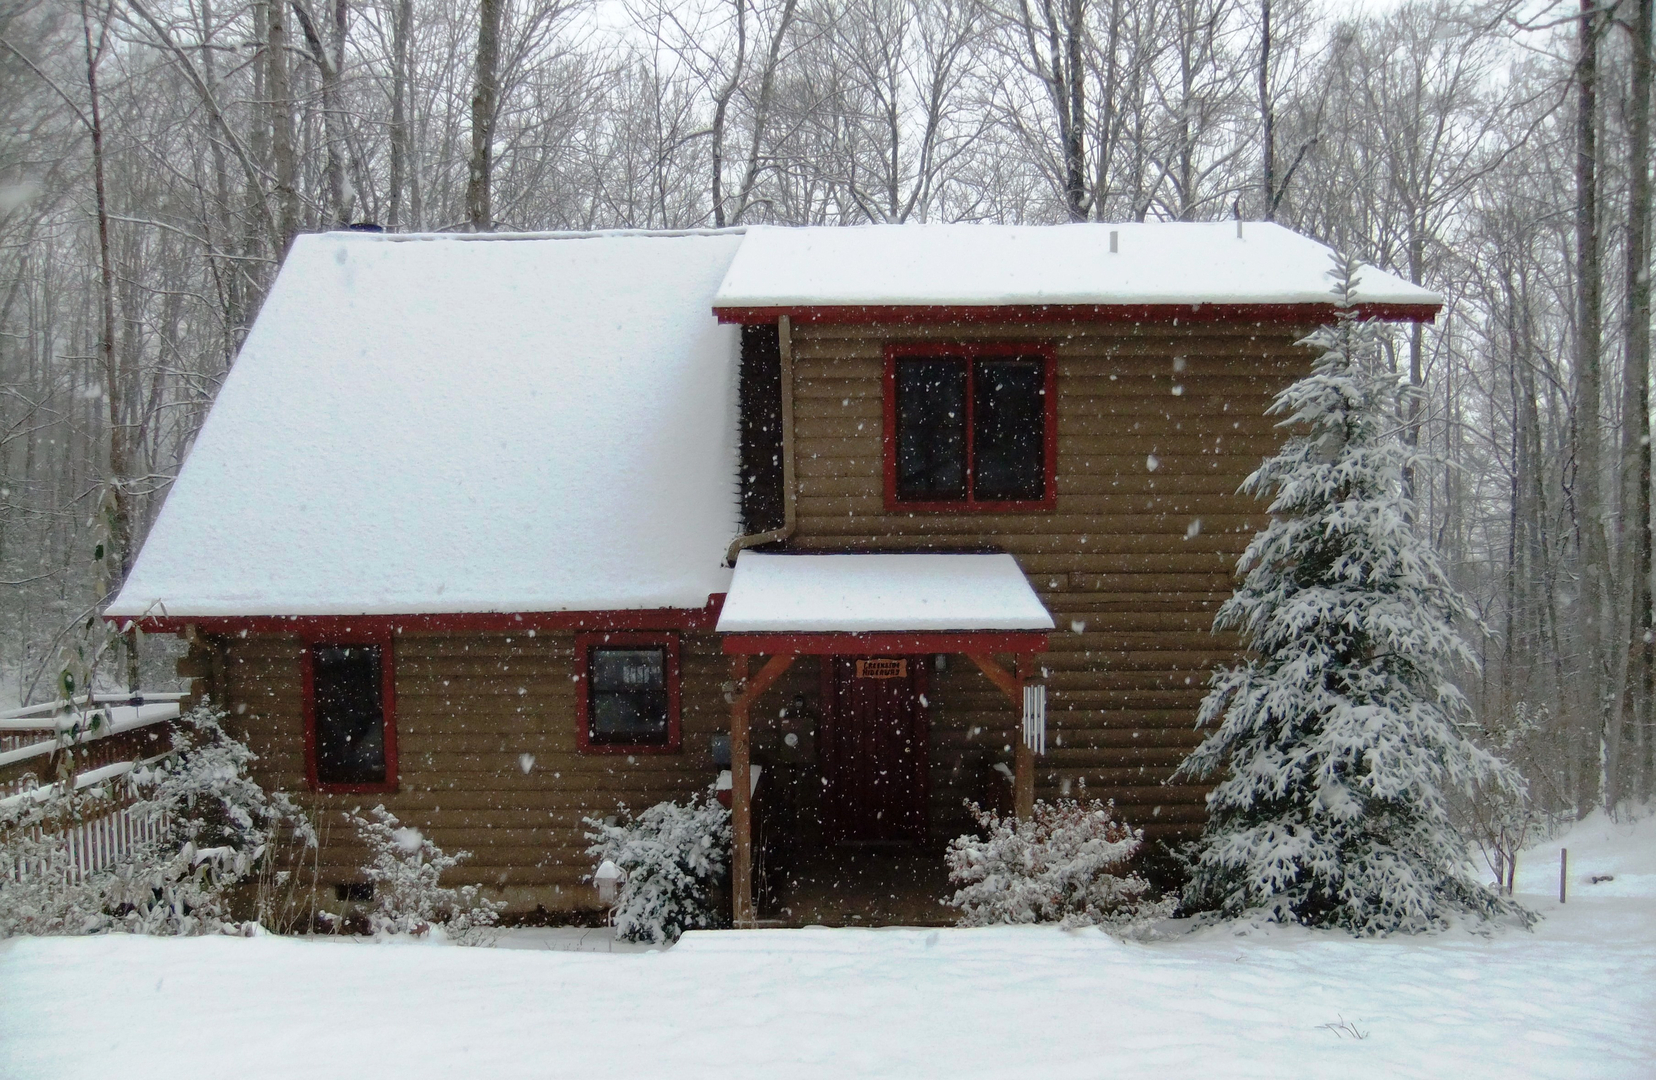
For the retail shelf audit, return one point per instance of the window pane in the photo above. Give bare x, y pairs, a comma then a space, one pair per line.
1009, 429
627, 695
931, 429
350, 724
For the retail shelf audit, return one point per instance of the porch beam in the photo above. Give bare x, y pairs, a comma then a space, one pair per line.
742, 913
886, 643
1006, 680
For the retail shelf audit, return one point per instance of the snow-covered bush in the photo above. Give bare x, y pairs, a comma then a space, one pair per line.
1340, 735
673, 856
214, 832
405, 869
1066, 864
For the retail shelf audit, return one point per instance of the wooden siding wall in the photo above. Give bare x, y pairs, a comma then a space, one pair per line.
468, 708
1157, 426
1132, 563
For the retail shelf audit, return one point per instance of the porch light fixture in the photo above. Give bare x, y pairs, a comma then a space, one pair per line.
609, 878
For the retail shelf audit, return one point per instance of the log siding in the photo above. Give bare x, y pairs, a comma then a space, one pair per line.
1156, 427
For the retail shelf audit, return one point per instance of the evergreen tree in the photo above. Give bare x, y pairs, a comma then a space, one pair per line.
1340, 737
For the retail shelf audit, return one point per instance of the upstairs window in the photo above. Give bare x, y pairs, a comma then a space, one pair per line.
350, 734
628, 692
970, 427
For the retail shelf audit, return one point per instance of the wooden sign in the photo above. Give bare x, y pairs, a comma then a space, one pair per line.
883, 668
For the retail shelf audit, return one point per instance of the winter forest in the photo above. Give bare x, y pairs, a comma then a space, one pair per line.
158, 156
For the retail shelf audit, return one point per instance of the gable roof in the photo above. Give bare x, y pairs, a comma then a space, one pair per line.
456, 425
423, 424
818, 273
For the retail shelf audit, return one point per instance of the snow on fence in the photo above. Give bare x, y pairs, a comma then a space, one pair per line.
40, 731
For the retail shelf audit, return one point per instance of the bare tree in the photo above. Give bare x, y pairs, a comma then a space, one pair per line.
485, 103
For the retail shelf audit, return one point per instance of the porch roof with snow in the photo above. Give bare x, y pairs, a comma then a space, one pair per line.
423, 424
1140, 270
979, 602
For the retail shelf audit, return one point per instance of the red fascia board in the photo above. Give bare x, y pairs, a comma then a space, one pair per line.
887, 643
934, 314
487, 622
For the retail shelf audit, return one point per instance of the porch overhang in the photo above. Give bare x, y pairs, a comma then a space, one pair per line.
890, 644
836, 604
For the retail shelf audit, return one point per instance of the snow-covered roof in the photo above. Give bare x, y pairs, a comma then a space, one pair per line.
425, 424
991, 265
856, 593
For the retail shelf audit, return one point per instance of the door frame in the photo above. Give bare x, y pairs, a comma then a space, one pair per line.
920, 683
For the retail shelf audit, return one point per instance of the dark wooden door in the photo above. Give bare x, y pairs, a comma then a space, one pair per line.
874, 751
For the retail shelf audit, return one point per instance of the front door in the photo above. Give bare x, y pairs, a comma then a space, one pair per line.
874, 751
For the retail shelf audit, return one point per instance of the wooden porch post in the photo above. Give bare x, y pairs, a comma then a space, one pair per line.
742, 914
741, 802
1011, 684
1023, 760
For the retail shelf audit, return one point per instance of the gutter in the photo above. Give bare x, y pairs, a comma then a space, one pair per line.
784, 340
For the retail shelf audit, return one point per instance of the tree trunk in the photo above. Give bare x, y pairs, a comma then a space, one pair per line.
401, 26
1075, 158
1592, 543
284, 161
119, 507
721, 110
1267, 115
1636, 450
484, 105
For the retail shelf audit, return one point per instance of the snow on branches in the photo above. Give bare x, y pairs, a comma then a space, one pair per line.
1341, 733
672, 856
1065, 864
404, 869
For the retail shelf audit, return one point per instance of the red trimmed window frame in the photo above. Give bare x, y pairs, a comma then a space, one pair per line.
971, 352
584, 644
388, 710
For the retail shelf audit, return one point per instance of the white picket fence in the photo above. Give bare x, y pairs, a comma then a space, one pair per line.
92, 845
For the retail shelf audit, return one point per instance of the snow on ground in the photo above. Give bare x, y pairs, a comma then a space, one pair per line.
1573, 999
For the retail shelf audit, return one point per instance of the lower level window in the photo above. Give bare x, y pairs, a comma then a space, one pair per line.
351, 738
629, 698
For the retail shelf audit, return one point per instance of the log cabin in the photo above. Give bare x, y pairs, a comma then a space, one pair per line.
505, 531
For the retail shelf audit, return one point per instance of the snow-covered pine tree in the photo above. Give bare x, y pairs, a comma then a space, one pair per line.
1340, 735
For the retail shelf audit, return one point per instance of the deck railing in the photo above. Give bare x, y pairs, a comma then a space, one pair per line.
107, 735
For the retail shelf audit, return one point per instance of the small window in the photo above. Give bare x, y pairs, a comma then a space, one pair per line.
970, 430
629, 692
351, 738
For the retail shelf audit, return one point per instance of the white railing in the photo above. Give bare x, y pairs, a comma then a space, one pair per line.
39, 731
91, 845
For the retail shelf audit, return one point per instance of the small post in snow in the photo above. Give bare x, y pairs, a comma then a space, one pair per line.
1563, 872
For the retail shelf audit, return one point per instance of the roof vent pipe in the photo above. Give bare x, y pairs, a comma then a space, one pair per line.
784, 341
1114, 241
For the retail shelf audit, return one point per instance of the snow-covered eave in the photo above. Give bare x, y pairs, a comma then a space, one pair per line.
320, 624
1297, 313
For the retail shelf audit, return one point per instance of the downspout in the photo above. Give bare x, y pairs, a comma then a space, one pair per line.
784, 342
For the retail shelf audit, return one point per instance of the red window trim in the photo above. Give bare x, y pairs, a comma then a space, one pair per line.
583, 719
970, 352
388, 710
